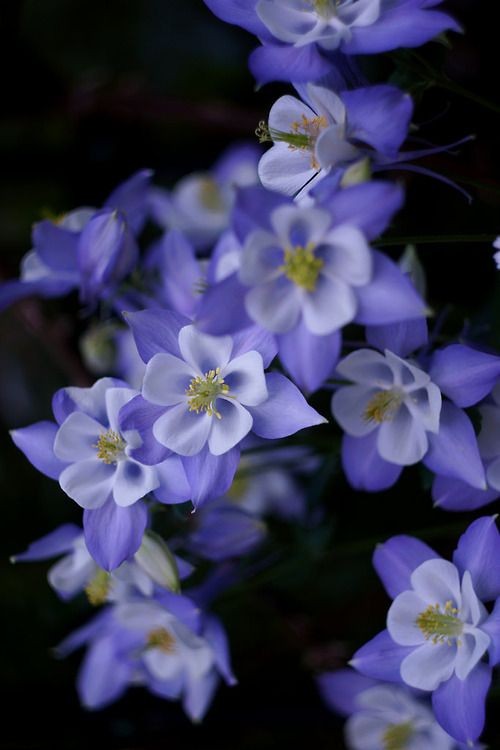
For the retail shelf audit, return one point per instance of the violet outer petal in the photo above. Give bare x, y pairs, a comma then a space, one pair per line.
459, 705
285, 412
363, 466
492, 627
156, 331
478, 551
381, 658
390, 297
455, 495
309, 359
114, 534
210, 476
379, 116
222, 308
36, 442
340, 689
255, 339
400, 338
139, 415
396, 559
369, 206
463, 374
252, 209
56, 543
216, 636
103, 676
273, 62
453, 452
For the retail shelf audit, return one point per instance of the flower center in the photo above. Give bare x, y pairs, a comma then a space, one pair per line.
302, 267
210, 197
97, 589
397, 736
204, 391
440, 626
110, 447
325, 8
303, 134
162, 639
383, 406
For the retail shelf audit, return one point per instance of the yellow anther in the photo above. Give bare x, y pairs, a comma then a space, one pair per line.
440, 625
397, 736
303, 134
97, 589
302, 267
162, 639
203, 392
383, 406
110, 447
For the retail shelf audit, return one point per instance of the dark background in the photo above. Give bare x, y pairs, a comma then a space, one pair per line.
92, 91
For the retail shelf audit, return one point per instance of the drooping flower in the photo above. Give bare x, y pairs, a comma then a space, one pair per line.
164, 644
382, 716
301, 40
438, 628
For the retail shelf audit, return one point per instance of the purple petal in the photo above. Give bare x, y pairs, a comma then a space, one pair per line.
210, 476
340, 689
182, 607
222, 308
478, 551
363, 466
216, 636
396, 559
12, 291
156, 331
379, 116
400, 338
198, 694
131, 198
453, 494
224, 531
309, 359
114, 534
459, 705
36, 442
56, 543
273, 62
381, 658
285, 412
252, 209
492, 627
56, 246
255, 339
139, 415
390, 297
91, 401
465, 375
174, 486
103, 676
369, 206
453, 452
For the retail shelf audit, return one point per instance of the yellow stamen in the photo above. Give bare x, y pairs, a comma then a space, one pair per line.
440, 626
303, 134
110, 447
162, 639
397, 736
203, 392
97, 589
302, 267
383, 406
210, 196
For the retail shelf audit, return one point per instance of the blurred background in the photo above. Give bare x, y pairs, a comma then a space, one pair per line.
91, 92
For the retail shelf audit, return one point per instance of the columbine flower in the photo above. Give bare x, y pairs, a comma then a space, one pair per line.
163, 644
331, 132
438, 628
300, 38
381, 716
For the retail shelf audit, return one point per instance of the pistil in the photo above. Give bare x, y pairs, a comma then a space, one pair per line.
383, 406
302, 267
440, 625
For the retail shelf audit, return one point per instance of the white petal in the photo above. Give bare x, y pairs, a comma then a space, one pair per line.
365, 731
347, 255
402, 440
295, 225
424, 405
330, 306
332, 149
367, 366
246, 380
261, 258
115, 399
349, 405
286, 111
402, 619
133, 481
472, 645
235, 423
77, 437
472, 610
166, 379
275, 306
406, 375
429, 665
204, 352
163, 666
286, 170
88, 482
184, 432
327, 103
437, 581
